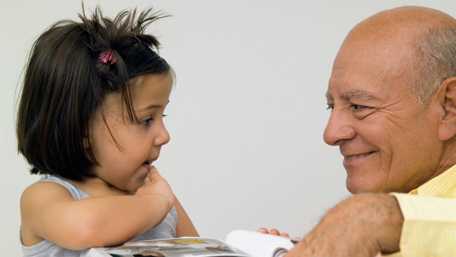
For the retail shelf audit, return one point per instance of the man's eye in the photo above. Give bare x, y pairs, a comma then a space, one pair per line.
358, 107
329, 106
362, 111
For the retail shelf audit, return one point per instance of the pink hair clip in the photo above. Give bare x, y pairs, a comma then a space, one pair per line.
107, 57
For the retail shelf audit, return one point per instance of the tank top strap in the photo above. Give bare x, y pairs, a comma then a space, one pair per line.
75, 192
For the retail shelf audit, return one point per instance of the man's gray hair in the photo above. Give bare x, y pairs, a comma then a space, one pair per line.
436, 61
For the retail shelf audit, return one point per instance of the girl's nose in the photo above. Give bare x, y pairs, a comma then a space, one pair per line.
162, 137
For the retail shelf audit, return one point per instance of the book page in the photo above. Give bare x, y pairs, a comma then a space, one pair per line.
173, 247
258, 244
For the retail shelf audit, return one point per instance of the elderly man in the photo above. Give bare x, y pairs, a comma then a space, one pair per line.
392, 96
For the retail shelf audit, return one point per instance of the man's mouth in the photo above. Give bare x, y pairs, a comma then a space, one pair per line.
352, 158
359, 155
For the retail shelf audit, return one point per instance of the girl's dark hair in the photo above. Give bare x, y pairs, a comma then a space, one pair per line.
66, 80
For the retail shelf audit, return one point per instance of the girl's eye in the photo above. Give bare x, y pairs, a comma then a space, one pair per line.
147, 121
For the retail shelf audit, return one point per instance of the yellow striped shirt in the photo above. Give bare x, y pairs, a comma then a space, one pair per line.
429, 211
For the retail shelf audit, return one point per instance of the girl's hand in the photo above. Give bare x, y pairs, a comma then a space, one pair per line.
273, 231
155, 184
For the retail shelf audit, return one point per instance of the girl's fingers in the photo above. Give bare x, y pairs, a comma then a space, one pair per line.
284, 234
153, 173
263, 230
274, 232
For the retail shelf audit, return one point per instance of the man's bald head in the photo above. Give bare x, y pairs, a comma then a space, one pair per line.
410, 19
429, 34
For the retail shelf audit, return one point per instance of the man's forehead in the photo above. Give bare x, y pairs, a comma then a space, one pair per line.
357, 82
365, 73
380, 58
376, 85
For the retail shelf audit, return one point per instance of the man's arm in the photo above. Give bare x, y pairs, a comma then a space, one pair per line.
360, 226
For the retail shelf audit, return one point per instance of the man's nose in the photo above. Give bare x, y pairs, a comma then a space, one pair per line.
338, 129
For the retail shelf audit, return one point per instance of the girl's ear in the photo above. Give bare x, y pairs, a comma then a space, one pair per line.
447, 100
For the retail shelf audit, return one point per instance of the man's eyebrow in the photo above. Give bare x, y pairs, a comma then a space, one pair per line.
358, 94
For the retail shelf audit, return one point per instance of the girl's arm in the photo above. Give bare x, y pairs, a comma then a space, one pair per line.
49, 212
184, 224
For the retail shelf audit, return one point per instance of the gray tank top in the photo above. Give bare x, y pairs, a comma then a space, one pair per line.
166, 229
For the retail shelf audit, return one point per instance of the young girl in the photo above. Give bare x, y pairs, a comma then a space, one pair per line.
90, 120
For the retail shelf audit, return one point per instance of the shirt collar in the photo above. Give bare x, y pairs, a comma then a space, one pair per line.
440, 185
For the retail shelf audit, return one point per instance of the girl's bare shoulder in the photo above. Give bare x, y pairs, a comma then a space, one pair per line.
36, 200
42, 192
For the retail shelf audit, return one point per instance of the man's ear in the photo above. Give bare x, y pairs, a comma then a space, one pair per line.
447, 99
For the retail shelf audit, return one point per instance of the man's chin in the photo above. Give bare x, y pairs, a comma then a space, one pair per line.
359, 186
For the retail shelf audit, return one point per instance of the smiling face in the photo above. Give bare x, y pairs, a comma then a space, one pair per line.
123, 148
389, 141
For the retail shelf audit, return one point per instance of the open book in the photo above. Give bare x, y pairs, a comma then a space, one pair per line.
238, 243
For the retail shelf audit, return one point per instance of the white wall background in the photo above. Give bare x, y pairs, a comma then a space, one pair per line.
246, 116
